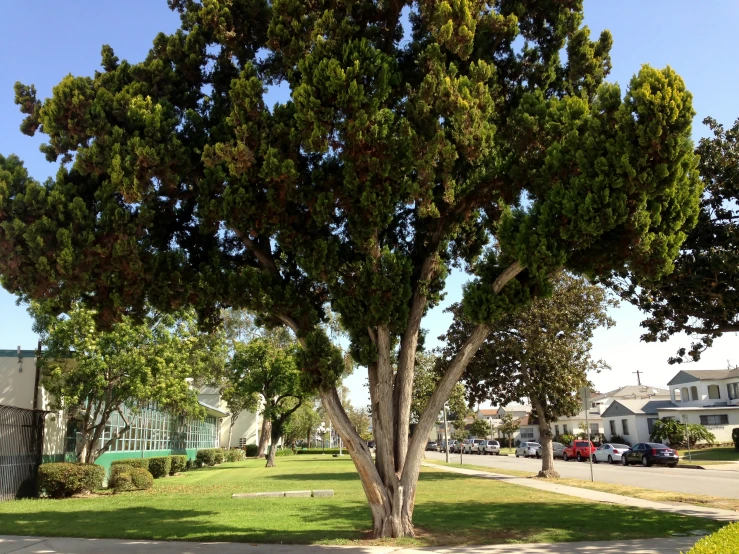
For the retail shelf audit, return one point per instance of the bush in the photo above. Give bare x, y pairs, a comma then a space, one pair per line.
311, 451
289, 452
126, 478
251, 450
206, 457
160, 466
133, 462
64, 479
220, 455
735, 437
618, 439
567, 439
235, 455
189, 465
179, 464
723, 541
142, 479
116, 470
122, 481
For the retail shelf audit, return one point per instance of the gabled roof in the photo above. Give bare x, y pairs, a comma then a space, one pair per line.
515, 407
212, 411
488, 412
635, 407
689, 376
525, 420
633, 391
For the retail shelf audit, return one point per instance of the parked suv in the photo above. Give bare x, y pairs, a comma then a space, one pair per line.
580, 450
471, 446
489, 447
648, 453
433, 446
527, 449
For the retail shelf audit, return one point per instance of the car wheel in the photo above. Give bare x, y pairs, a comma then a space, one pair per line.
565, 457
595, 460
624, 461
579, 458
517, 455
538, 456
645, 461
671, 465
497, 453
610, 459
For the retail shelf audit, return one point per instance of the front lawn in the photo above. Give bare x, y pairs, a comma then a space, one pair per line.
723, 454
450, 509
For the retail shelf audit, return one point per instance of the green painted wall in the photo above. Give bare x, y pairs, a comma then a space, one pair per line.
109, 457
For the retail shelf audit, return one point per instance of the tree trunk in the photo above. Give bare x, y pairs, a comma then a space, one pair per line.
545, 431
271, 456
266, 430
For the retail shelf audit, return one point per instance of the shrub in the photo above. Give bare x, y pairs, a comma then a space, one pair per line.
179, 464
133, 462
160, 466
618, 439
289, 452
312, 451
235, 455
723, 541
117, 469
206, 457
189, 465
220, 455
673, 431
251, 450
126, 478
122, 481
566, 439
141, 478
735, 437
64, 479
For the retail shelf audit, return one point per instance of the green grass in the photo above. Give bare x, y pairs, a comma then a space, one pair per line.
451, 509
723, 454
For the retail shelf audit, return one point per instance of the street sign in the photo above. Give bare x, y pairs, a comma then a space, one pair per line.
584, 393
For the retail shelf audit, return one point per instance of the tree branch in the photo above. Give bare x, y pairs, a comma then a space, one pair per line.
264, 258
509, 273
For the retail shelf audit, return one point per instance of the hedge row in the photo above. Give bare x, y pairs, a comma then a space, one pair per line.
235, 455
723, 541
64, 479
321, 451
251, 450
210, 456
284, 452
128, 478
159, 466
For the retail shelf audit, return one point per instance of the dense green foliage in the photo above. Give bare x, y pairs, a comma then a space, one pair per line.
674, 432
251, 450
235, 455
301, 425
722, 541
206, 457
701, 297
178, 465
160, 466
132, 462
508, 427
318, 451
479, 429
425, 381
128, 478
94, 373
59, 480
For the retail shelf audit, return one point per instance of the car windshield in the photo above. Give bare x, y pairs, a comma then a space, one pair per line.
658, 446
534, 444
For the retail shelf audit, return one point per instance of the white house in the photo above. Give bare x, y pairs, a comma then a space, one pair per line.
246, 428
707, 397
601, 401
632, 419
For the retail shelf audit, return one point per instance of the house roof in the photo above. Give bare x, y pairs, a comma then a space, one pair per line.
523, 421
635, 407
212, 411
688, 376
488, 412
633, 391
515, 407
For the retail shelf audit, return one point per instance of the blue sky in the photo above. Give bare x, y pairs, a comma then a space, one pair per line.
42, 41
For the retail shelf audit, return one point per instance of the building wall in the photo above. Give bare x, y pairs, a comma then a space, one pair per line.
722, 432
703, 399
635, 429
16, 387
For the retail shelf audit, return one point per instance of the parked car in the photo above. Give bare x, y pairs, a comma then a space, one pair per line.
471, 447
558, 449
580, 450
463, 446
528, 449
443, 446
489, 447
432, 446
610, 453
650, 453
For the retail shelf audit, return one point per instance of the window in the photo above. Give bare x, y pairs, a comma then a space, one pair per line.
613, 426
713, 392
242, 442
733, 389
564, 428
556, 430
694, 393
625, 426
676, 394
719, 419
527, 433
594, 429
650, 424
684, 394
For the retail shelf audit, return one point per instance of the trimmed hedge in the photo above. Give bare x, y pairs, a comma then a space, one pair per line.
133, 462
160, 466
126, 478
206, 457
723, 541
220, 455
251, 450
59, 480
318, 451
235, 455
179, 464
285, 452
142, 479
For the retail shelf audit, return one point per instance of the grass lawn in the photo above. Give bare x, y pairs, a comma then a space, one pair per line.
724, 454
450, 509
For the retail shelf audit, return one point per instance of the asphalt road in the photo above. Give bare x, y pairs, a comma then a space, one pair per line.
691, 481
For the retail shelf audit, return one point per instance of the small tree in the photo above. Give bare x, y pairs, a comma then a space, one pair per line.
94, 373
673, 431
479, 429
301, 424
268, 366
508, 427
360, 419
426, 379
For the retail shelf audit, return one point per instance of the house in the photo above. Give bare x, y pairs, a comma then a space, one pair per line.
573, 425
707, 397
601, 401
517, 410
632, 419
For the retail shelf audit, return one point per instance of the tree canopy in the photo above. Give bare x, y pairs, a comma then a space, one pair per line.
416, 134
701, 296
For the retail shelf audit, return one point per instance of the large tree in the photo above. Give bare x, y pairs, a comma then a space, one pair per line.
541, 352
403, 149
93, 373
268, 366
701, 296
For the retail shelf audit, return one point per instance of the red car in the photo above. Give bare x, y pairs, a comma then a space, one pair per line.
581, 450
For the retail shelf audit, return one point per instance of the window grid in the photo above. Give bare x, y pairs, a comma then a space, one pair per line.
718, 419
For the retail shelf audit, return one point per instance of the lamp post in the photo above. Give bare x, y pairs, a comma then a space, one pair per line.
322, 432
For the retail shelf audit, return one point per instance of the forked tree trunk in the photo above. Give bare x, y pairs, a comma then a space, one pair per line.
266, 431
271, 455
545, 431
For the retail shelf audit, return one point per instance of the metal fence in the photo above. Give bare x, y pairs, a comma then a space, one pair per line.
21, 447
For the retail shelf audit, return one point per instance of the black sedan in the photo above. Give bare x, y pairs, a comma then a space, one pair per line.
650, 453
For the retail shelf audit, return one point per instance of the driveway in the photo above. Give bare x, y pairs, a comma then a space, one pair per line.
689, 481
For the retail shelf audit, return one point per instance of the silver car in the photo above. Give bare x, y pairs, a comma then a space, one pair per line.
489, 447
558, 449
528, 449
471, 447
610, 453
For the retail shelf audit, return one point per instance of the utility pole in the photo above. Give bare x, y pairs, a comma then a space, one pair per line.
638, 376
446, 436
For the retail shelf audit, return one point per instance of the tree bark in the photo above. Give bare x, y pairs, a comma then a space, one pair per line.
545, 432
271, 456
266, 431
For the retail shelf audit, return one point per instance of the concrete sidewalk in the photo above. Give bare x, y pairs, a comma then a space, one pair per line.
597, 496
40, 545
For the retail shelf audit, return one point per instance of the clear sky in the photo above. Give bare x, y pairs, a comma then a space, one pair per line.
44, 40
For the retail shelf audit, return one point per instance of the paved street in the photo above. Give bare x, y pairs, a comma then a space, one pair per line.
690, 481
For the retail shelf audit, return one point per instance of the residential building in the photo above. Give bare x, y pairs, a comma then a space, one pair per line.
573, 425
518, 410
632, 419
246, 427
601, 401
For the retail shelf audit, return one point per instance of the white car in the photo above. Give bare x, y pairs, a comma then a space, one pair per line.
527, 449
471, 447
610, 453
489, 447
